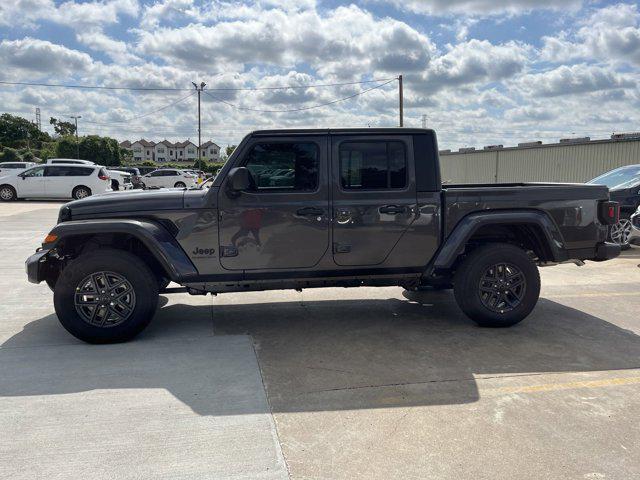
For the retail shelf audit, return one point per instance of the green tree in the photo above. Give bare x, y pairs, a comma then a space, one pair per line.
102, 150
61, 127
227, 152
17, 132
10, 155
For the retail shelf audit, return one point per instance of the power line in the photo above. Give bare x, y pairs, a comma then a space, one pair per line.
293, 87
173, 89
124, 122
238, 107
94, 87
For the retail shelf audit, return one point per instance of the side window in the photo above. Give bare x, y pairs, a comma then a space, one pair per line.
373, 165
289, 166
34, 172
55, 171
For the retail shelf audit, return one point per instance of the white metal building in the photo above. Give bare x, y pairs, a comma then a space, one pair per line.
570, 160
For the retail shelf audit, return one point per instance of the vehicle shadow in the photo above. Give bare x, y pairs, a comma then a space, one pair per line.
322, 355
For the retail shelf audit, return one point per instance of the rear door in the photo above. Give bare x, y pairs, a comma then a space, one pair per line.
374, 196
278, 223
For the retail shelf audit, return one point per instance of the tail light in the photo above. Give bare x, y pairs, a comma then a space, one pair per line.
609, 212
103, 175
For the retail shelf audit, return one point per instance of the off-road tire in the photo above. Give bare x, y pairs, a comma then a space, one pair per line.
8, 193
81, 192
120, 263
470, 285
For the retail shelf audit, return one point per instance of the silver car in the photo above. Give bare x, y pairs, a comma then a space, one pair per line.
634, 235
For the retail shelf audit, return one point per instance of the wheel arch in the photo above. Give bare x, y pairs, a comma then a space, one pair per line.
147, 239
531, 229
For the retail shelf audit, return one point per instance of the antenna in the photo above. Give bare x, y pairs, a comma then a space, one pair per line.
38, 119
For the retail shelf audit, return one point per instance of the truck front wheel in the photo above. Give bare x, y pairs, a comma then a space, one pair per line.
106, 296
497, 285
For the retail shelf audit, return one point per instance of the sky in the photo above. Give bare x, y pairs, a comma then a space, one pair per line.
483, 72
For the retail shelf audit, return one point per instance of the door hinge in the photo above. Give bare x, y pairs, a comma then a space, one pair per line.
341, 248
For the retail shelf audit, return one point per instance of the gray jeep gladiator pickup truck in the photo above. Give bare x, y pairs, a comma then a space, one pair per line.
295, 209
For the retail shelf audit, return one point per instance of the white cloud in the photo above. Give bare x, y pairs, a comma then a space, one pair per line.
344, 41
96, 40
608, 34
482, 7
26, 13
574, 80
473, 62
41, 57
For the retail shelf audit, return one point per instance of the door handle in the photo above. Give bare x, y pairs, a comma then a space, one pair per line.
392, 209
308, 211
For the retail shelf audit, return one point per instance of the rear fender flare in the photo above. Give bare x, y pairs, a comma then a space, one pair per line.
454, 245
162, 245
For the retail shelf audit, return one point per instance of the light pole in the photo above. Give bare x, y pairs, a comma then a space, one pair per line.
199, 90
77, 142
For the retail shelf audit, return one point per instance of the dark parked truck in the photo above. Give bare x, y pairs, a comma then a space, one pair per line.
295, 209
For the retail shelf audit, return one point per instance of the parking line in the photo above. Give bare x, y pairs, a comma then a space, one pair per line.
594, 294
549, 387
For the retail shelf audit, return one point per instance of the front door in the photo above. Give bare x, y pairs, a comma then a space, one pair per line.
374, 196
32, 183
282, 221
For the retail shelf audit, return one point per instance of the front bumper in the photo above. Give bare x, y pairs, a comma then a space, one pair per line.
606, 251
35, 266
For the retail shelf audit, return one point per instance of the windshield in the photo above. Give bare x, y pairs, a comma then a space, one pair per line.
622, 177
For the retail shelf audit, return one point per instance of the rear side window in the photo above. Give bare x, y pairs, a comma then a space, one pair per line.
288, 166
373, 165
67, 171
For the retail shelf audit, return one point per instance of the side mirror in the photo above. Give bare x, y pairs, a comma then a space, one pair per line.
239, 179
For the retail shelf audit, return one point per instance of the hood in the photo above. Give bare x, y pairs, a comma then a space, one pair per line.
127, 202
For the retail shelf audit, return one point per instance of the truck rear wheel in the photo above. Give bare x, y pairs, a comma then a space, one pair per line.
497, 285
106, 296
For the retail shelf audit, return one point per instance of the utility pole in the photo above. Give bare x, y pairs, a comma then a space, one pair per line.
400, 101
424, 121
77, 141
199, 90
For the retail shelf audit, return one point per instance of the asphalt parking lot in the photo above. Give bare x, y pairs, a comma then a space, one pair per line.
324, 384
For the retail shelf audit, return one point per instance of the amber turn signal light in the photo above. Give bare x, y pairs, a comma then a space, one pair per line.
50, 238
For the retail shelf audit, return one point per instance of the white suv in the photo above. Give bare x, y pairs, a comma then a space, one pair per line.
70, 161
56, 181
7, 168
169, 178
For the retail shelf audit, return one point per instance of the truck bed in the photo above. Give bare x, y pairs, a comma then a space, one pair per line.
571, 206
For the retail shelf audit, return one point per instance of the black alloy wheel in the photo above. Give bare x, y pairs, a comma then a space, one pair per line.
502, 287
105, 299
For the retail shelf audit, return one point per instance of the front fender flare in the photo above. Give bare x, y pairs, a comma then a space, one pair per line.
464, 230
162, 245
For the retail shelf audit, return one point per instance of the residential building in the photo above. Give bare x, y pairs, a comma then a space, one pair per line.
210, 151
186, 151
165, 151
143, 150
168, 152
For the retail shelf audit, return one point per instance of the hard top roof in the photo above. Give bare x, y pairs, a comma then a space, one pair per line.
343, 131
